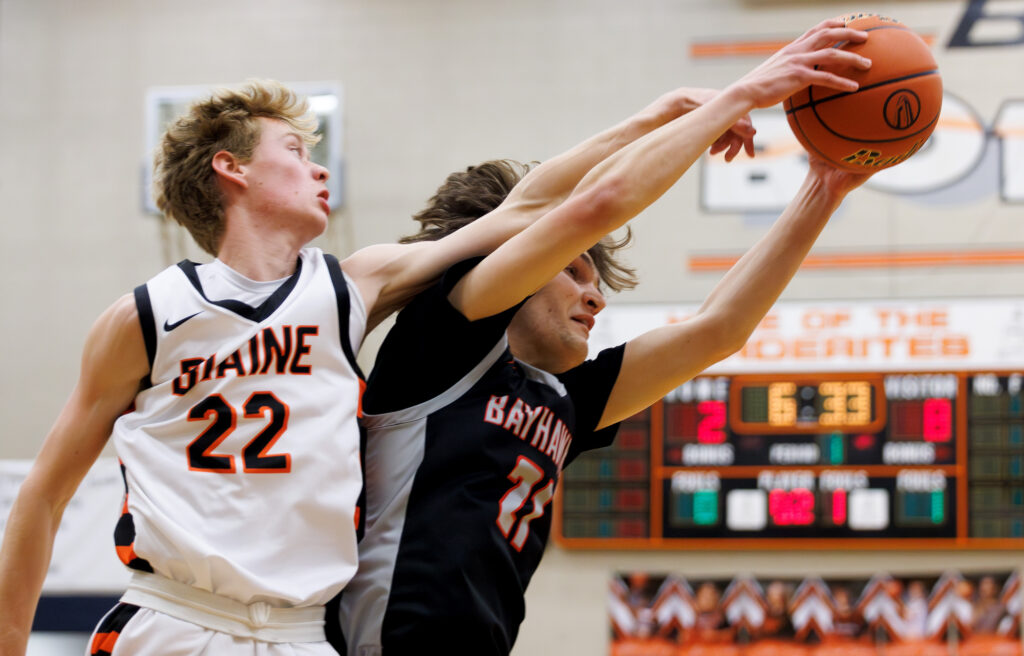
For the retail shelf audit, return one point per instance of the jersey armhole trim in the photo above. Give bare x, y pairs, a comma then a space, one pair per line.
148, 324
344, 303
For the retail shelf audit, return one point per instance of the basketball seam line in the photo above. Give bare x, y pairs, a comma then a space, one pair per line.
814, 103
860, 140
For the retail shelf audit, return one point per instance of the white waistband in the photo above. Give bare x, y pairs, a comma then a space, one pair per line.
258, 621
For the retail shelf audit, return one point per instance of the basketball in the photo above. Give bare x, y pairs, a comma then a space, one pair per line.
889, 117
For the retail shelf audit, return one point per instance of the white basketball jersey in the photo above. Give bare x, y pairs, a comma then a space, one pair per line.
241, 457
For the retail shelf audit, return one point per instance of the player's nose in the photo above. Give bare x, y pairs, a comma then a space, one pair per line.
593, 298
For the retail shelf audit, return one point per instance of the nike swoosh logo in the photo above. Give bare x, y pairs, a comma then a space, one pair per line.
168, 327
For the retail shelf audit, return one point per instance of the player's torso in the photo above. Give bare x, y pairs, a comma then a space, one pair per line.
242, 457
477, 513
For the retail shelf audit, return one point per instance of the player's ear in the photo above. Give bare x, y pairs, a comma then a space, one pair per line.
229, 169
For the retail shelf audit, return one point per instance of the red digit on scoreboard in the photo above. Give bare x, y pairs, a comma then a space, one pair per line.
709, 429
839, 507
791, 507
937, 420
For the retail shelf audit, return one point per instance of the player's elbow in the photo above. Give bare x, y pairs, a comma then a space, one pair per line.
607, 204
729, 336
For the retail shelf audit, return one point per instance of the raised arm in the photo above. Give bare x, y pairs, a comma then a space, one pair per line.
662, 359
546, 186
625, 183
113, 363
389, 274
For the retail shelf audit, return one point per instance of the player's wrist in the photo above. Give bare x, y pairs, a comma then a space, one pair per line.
735, 101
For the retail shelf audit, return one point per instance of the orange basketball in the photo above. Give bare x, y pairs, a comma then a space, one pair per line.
889, 117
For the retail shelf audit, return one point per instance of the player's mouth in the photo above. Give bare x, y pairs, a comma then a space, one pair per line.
585, 319
323, 197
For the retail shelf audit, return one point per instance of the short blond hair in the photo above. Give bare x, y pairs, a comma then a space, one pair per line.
184, 182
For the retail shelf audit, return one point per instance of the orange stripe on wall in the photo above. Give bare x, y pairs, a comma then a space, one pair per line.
706, 263
750, 48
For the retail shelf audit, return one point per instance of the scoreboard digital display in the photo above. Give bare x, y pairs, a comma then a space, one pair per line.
877, 460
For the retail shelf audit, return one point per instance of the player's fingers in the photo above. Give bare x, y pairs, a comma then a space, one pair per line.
720, 144
829, 37
832, 81
827, 24
734, 148
836, 57
748, 145
744, 127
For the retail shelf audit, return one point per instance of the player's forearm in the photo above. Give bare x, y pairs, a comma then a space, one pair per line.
645, 169
24, 559
612, 193
552, 181
749, 289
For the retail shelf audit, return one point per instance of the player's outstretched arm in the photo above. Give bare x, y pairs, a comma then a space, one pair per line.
389, 274
623, 184
113, 363
662, 359
546, 186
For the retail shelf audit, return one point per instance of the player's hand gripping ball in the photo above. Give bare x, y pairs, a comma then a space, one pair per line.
889, 117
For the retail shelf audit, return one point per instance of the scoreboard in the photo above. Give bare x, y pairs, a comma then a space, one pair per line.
896, 456
883, 459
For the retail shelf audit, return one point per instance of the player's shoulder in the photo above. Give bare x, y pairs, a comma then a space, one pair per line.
122, 312
378, 259
119, 323
116, 339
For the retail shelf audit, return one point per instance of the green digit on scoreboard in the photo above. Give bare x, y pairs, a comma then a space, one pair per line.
705, 507
938, 507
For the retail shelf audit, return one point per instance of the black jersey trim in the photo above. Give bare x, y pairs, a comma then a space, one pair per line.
124, 533
344, 310
244, 310
145, 310
110, 627
344, 301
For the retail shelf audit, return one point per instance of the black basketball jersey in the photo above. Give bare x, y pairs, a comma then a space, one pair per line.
464, 450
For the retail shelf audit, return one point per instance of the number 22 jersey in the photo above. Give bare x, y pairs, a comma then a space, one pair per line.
241, 452
465, 445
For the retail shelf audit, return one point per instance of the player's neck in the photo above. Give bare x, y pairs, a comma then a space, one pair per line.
259, 258
261, 251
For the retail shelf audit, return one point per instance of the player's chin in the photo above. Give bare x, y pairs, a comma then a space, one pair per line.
317, 225
576, 354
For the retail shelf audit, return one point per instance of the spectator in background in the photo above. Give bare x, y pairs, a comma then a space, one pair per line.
776, 621
915, 611
847, 623
988, 609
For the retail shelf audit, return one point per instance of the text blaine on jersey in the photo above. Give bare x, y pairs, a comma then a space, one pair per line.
284, 353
